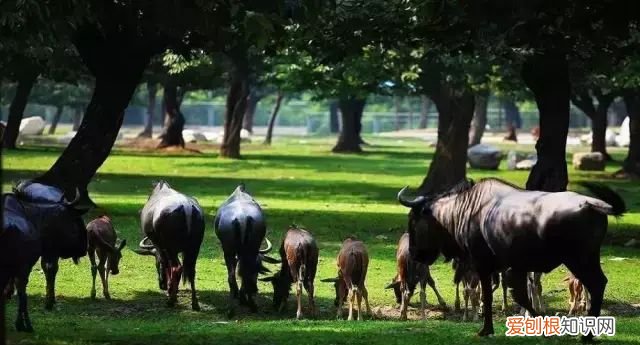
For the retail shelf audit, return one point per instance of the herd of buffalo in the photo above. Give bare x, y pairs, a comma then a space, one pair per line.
492, 230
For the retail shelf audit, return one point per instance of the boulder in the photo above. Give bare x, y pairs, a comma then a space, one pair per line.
33, 125
513, 157
526, 164
211, 136
484, 156
192, 136
588, 161
610, 137
623, 137
245, 136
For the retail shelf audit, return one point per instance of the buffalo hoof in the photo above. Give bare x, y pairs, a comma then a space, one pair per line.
485, 332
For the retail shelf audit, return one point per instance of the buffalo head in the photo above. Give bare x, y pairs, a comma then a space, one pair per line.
341, 289
281, 285
426, 236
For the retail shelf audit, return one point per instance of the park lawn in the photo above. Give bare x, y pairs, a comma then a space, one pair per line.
296, 181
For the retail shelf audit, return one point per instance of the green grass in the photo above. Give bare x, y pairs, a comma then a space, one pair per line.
332, 195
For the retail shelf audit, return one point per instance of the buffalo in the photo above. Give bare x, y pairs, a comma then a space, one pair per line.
173, 223
496, 225
353, 263
299, 257
102, 242
409, 274
38, 221
241, 227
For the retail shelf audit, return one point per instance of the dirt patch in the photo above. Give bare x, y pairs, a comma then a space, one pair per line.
151, 145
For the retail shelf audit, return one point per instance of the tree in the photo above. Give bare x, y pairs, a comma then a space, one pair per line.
479, 121
598, 115
24, 71
272, 118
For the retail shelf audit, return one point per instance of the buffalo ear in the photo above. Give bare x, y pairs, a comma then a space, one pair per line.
270, 260
392, 285
329, 280
122, 244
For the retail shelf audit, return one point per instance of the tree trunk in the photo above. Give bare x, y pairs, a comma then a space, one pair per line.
56, 119
547, 76
479, 121
174, 120
234, 112
424, 111
449, 164
272, 119
117, 62
359, 125
598, 116
16, 109
334, 125
250, 112
152, 92
351, 113
77, 119
631, 164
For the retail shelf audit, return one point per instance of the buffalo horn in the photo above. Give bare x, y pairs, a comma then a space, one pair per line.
74, 201
269, 247
144, 245
418, 201
270, 260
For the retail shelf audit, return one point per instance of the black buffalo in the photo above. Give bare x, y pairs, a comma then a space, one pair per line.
173, 223
38, 221
241, 227
496, 225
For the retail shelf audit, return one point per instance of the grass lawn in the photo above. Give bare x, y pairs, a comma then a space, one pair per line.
296, 182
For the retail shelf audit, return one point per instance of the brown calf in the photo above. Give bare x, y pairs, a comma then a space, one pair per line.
409, 274
580, 300
299, 261
353, 262
102, 241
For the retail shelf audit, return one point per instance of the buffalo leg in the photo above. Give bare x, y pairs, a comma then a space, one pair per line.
189, 264
465, 296
23, 322
572, 299
312, 301
299, 298
519, 290
91, 252
456, 305
231, 263
359, 298
432, 284
487, 299
365, 295
423, 299
591, 275
50, 268
341, 299
404, 301
103, 277
351, 297
504, 293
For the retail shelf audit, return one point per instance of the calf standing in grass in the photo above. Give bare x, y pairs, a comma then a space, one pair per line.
299, 260
465, 275
353, 262
102, 241
409, 274
580, 301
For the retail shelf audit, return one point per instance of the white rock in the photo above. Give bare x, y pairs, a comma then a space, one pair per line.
573, 141
65, 139
632, 242
588, 161
484, 156
526, 164
210, 135
33, 125
191, 136
244, 134
623, 137
610, 137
